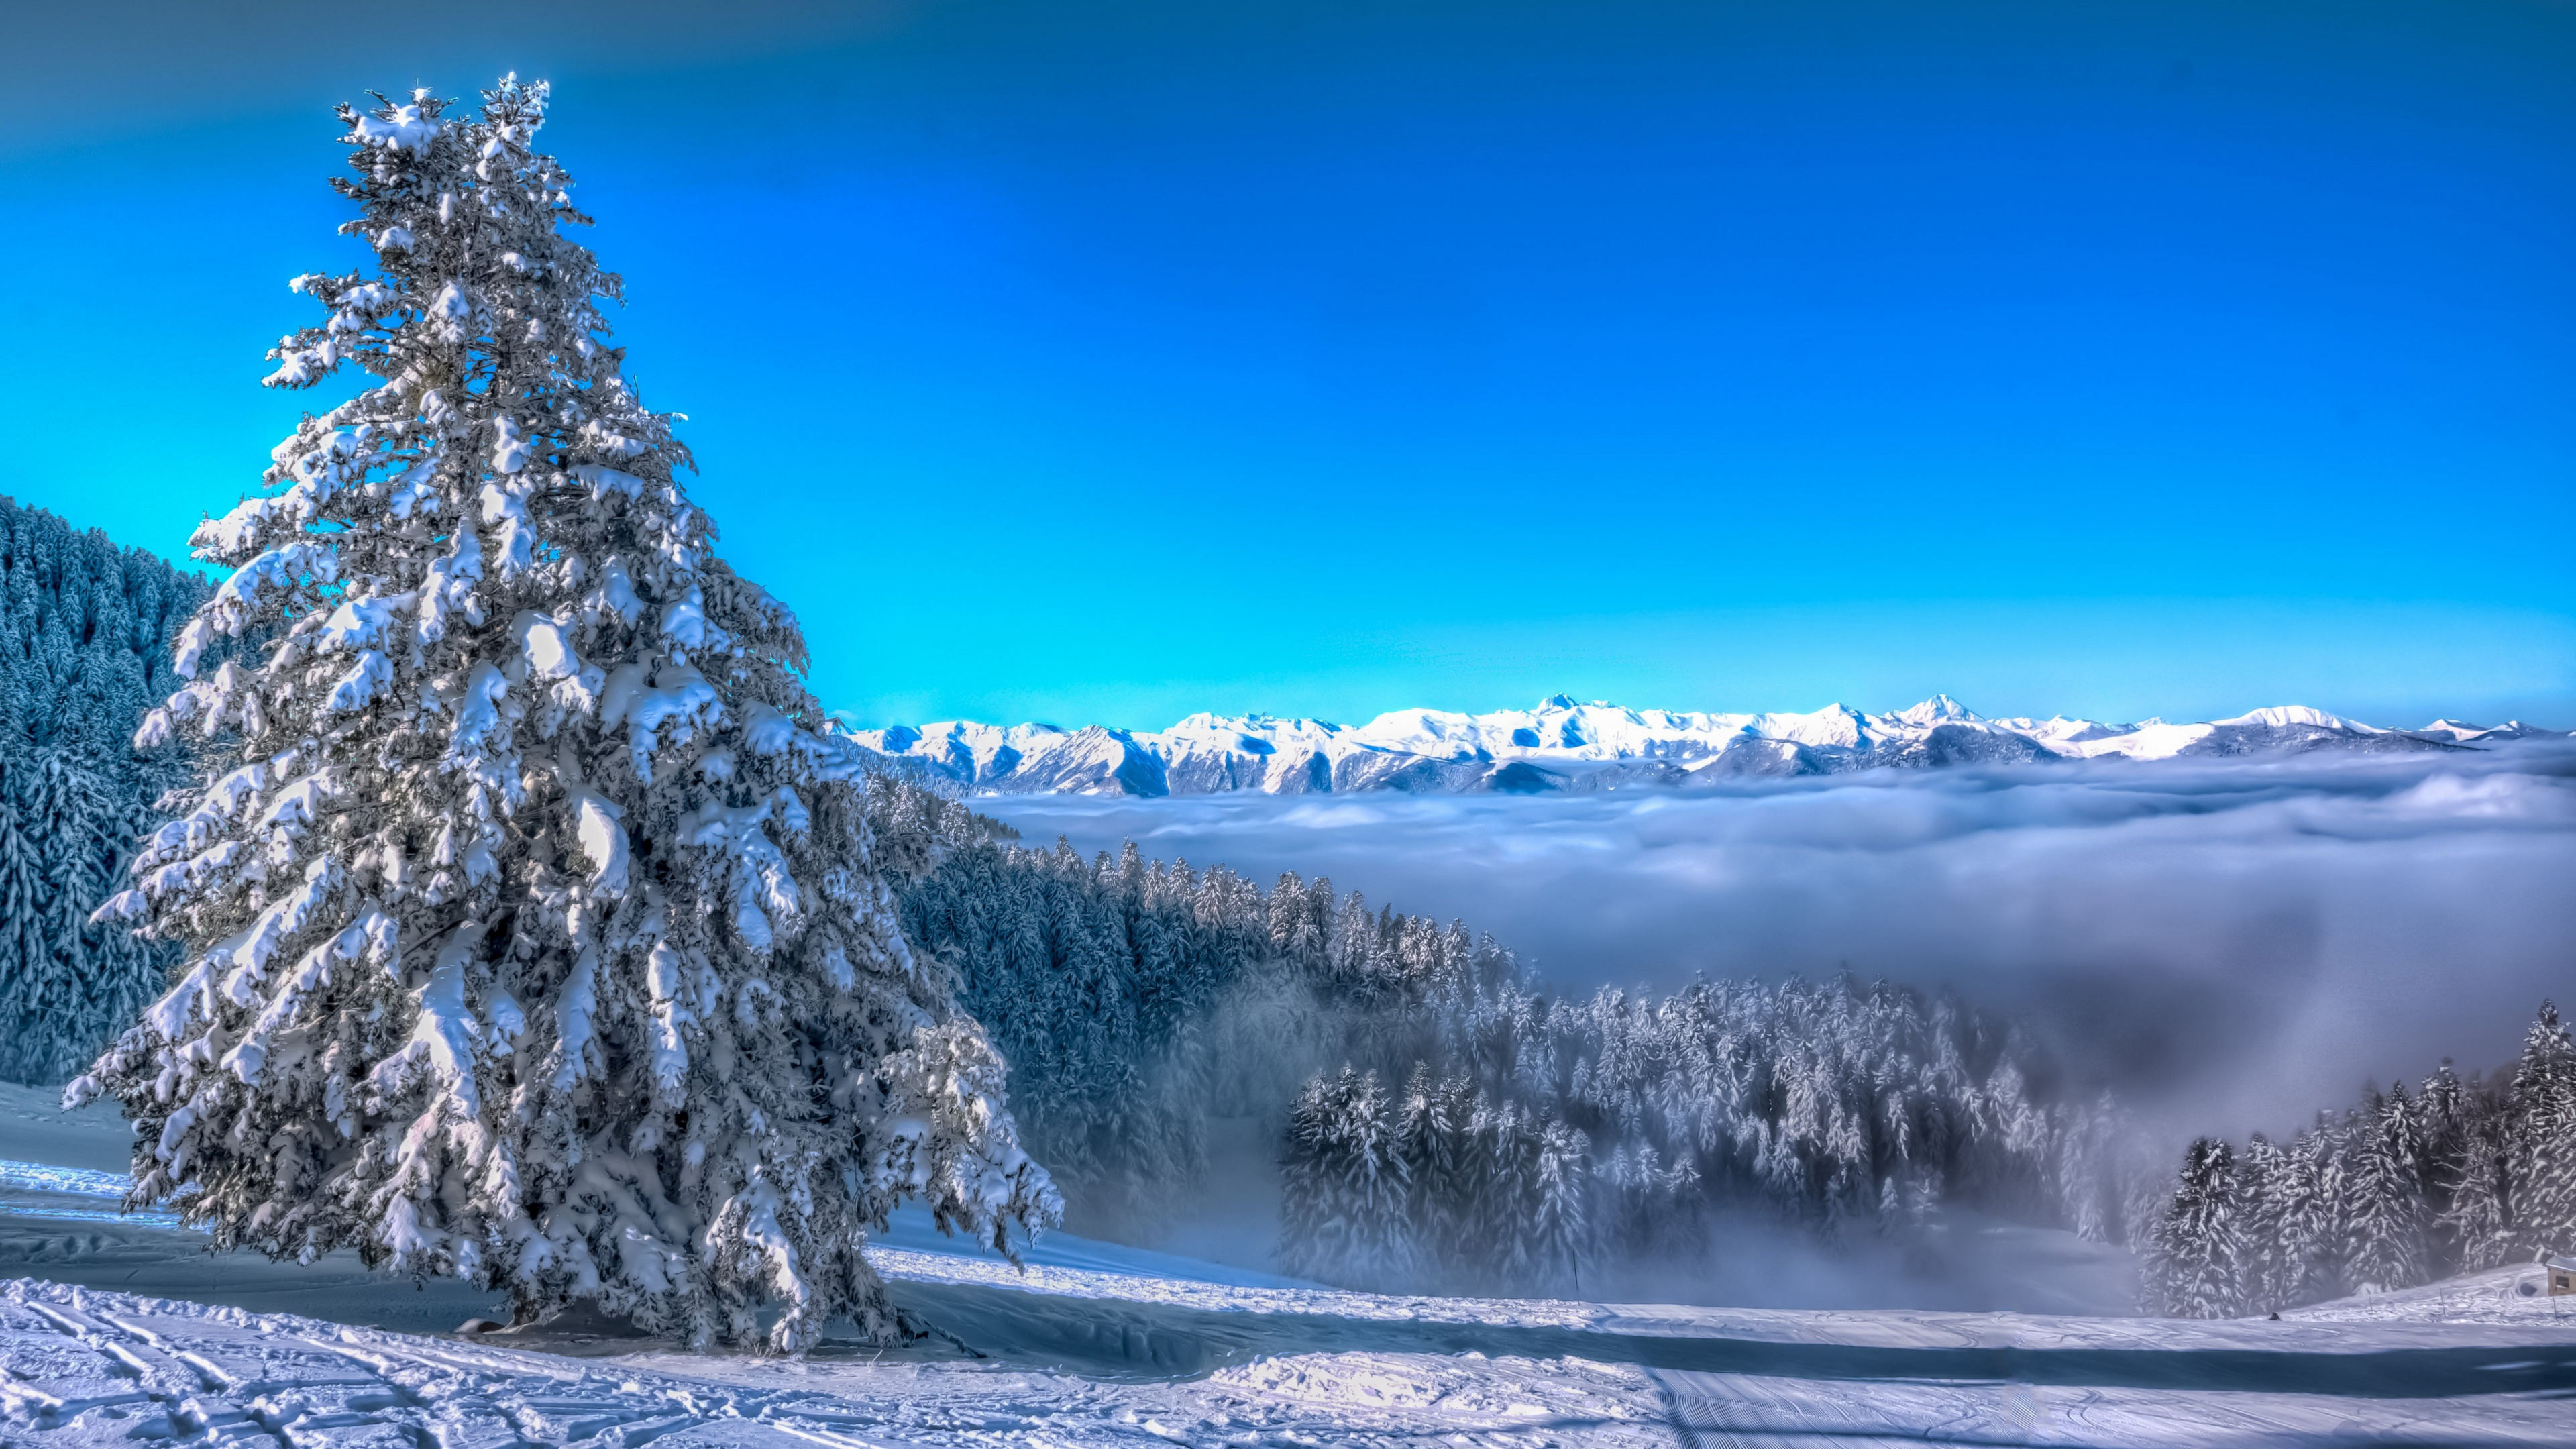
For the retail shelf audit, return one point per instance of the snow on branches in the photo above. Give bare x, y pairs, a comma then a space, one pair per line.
2469, 1172
532, 931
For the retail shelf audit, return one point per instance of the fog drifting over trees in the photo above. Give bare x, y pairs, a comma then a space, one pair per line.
2239, 943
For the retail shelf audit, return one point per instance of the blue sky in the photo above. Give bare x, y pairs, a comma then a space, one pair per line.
1112, 362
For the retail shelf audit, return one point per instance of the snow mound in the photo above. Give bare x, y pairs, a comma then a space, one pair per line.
2516, 1295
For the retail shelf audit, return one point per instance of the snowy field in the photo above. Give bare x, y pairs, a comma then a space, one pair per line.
125, 1330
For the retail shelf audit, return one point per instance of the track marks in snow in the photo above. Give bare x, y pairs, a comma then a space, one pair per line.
1748, 1412
222, 1376
82, 1368
85, 1368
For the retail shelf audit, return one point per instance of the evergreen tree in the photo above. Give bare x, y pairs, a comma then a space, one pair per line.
2541, 1142
2480, 1218
532, 934
1503, 1172
1431, 1125
2443, 1153
2198, 1262
2266, 1188
1560, 1181
1346, 1182
2386, 1218
39, 983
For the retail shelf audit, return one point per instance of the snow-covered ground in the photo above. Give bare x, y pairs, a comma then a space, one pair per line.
2516, 1295
125, 1330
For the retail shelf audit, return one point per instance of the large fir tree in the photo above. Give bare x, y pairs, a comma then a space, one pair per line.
532, 931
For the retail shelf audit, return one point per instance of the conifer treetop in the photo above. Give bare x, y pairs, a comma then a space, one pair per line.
532, 930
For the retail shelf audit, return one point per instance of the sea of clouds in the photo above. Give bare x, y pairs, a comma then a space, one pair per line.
2231, 944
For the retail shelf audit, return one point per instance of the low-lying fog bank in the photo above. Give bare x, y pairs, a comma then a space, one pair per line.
2229, 943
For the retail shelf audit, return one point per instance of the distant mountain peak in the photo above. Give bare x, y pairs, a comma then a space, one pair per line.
1938, 709
1564, 745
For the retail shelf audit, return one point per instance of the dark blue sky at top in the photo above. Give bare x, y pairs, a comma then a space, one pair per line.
1110, 362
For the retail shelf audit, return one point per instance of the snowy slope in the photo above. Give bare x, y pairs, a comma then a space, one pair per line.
127, 1333
1565, 744
2515, 1295
92, 1368
1074, 1358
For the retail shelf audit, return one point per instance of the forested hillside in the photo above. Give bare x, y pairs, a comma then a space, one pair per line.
1446, 1124
1441, 1122
2466, 1172
85, 630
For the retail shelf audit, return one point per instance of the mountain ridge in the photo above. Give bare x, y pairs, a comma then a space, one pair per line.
1565, 744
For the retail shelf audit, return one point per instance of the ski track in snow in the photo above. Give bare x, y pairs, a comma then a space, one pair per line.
77, 1181
98, 1368
1739, 1409
86, 1367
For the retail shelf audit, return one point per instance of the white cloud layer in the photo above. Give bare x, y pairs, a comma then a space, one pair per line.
2233, 944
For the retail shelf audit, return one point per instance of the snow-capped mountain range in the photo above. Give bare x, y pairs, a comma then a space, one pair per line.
1562, 744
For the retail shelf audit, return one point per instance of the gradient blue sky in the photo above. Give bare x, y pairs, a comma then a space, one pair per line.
1115, 361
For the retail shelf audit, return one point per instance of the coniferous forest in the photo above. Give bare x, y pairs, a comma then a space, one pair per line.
85, 631
2466, 1172
1440, 1120
466, 891
1445, 1122
1225, 725
1437, 1117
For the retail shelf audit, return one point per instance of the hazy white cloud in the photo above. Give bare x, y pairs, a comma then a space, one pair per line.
2234, 943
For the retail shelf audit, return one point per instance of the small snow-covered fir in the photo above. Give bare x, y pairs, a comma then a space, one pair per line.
532, 931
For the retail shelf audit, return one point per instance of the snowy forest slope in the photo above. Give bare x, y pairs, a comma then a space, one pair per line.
1445, 1123
85, 631
1408, 1071
2469, 1173
1098, 1347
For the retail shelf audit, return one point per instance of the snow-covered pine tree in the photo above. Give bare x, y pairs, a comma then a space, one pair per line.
2479, 1217
2444, 1140
2316, 1233
1503, 1168
2196, 1268
32, 982
2385, 1193
532, 934
2542, 1153
1431, 1119
1343, 1183
68, 824
1560, 1229
2264, 1178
